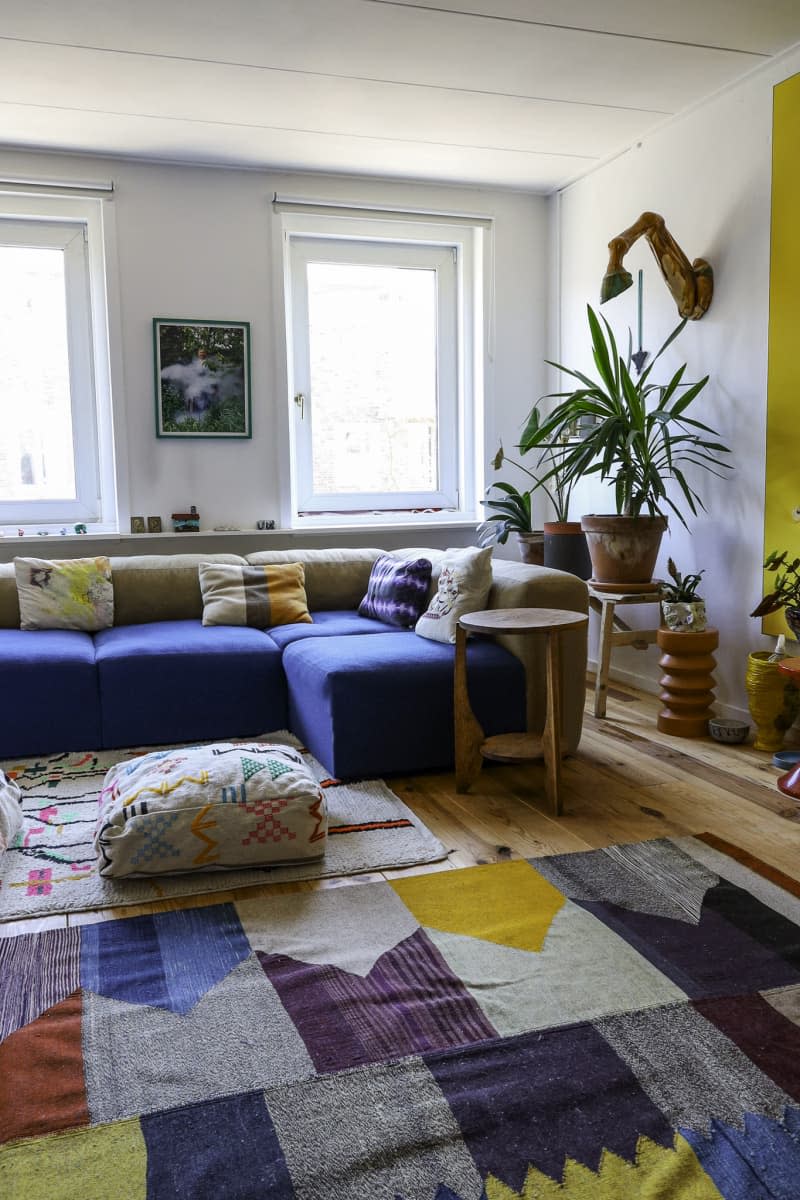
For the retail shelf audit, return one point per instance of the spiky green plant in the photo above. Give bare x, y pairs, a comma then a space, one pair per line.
633, 432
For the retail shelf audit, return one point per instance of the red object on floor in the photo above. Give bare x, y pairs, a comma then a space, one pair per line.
789, 783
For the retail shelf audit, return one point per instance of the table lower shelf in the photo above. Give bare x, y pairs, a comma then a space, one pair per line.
515, 747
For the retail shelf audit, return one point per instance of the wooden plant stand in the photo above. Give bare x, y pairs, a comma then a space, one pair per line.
471, 745
687, 660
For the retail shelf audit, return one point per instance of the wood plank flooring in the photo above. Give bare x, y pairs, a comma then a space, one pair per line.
628, 782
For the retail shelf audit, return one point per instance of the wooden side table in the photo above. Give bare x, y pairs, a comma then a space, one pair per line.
471, 745
616, 632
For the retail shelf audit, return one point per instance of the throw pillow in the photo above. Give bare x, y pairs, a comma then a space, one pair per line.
258, 596
464, 583
397, 591
206, 808
72, 593
10, 811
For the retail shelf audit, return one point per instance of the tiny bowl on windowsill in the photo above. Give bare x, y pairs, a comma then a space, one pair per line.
726, 729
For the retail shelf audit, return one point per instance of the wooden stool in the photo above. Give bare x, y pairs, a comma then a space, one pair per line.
471, 745
615, 632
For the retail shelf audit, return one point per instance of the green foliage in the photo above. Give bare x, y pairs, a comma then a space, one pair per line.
223, 417
512, 508
180, 343
631, 431
683, 587
785, 591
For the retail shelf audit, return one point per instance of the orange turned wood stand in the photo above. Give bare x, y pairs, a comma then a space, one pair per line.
471, 745
687, 660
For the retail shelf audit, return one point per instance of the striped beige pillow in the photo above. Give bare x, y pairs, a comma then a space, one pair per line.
258, 596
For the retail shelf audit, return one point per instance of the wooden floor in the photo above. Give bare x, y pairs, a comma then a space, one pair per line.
626, 783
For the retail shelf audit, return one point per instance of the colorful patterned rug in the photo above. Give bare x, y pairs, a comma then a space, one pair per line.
51, 866
617, 1024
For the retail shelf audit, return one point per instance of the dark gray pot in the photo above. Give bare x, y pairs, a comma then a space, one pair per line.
565, 548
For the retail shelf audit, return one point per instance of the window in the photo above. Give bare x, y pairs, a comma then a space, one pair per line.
55, 452
381, 333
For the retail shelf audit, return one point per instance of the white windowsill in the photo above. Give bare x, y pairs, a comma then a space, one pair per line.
315, 530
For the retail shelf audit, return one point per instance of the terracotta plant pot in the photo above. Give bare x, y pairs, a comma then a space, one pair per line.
565, 548
531, 548
623, 549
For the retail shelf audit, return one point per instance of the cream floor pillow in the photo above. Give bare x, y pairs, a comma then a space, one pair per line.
206, 808
10, 811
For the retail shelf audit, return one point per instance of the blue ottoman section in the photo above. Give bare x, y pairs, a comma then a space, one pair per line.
328, 624
50, 696
180, 681
373, 705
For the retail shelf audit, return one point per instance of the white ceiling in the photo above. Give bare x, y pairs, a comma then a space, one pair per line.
517, 93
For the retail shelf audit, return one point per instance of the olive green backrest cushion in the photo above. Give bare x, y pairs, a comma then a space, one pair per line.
334, 578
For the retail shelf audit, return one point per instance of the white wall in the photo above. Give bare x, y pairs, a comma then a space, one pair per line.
708, 174
198, 242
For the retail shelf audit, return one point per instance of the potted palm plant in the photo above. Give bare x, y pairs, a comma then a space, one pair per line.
637, 434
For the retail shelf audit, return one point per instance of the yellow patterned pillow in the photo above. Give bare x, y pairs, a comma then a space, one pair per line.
70, 593
259, 596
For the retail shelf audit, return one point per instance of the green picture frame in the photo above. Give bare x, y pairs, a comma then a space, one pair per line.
202, 378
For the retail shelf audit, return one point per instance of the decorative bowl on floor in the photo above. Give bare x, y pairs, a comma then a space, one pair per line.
725, 729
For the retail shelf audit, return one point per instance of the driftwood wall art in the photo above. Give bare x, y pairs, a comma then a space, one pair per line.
691, 283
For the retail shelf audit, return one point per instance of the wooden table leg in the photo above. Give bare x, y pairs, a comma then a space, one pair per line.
551, 738
468, 733
603, 657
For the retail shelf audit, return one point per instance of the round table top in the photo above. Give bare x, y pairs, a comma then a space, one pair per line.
790, 666
521, 620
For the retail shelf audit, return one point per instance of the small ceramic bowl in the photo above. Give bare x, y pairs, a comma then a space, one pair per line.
724, 729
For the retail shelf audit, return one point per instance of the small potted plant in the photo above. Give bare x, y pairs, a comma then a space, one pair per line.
785, 593
512, 513
682, 609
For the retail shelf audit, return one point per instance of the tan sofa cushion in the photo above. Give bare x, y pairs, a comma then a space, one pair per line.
334, 578
160, 587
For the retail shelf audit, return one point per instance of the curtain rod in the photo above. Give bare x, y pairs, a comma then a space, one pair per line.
383, 209
60, 185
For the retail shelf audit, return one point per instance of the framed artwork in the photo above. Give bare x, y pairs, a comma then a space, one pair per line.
202, 378
137, 524
154, 524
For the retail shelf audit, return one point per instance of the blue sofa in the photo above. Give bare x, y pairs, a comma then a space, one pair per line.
365, 697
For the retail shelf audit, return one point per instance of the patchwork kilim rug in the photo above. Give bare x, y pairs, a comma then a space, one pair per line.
617, 1024
51, 865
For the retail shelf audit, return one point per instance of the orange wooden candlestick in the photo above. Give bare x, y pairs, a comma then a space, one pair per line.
687, 684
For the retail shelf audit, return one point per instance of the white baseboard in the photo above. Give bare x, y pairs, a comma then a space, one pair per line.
649, 685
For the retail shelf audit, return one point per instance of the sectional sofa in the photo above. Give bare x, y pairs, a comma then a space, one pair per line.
365, 697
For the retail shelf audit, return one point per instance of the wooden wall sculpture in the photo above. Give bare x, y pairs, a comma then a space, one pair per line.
691, 283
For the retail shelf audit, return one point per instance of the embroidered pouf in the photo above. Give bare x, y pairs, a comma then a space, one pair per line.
206, 808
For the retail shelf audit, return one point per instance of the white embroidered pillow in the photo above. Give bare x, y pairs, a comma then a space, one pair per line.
464, 584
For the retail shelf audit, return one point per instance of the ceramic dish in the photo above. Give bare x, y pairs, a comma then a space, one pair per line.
724, 729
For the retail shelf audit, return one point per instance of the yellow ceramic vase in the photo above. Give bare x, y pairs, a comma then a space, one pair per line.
773, 699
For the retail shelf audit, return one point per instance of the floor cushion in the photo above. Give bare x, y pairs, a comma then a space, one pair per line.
50, 696
203, 808
10, 811
180, 681
382, 704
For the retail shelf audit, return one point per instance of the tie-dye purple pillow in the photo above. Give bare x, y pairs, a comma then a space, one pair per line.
397, 591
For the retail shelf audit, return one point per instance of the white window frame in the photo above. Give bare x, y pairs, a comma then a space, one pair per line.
76, 225
454, 251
